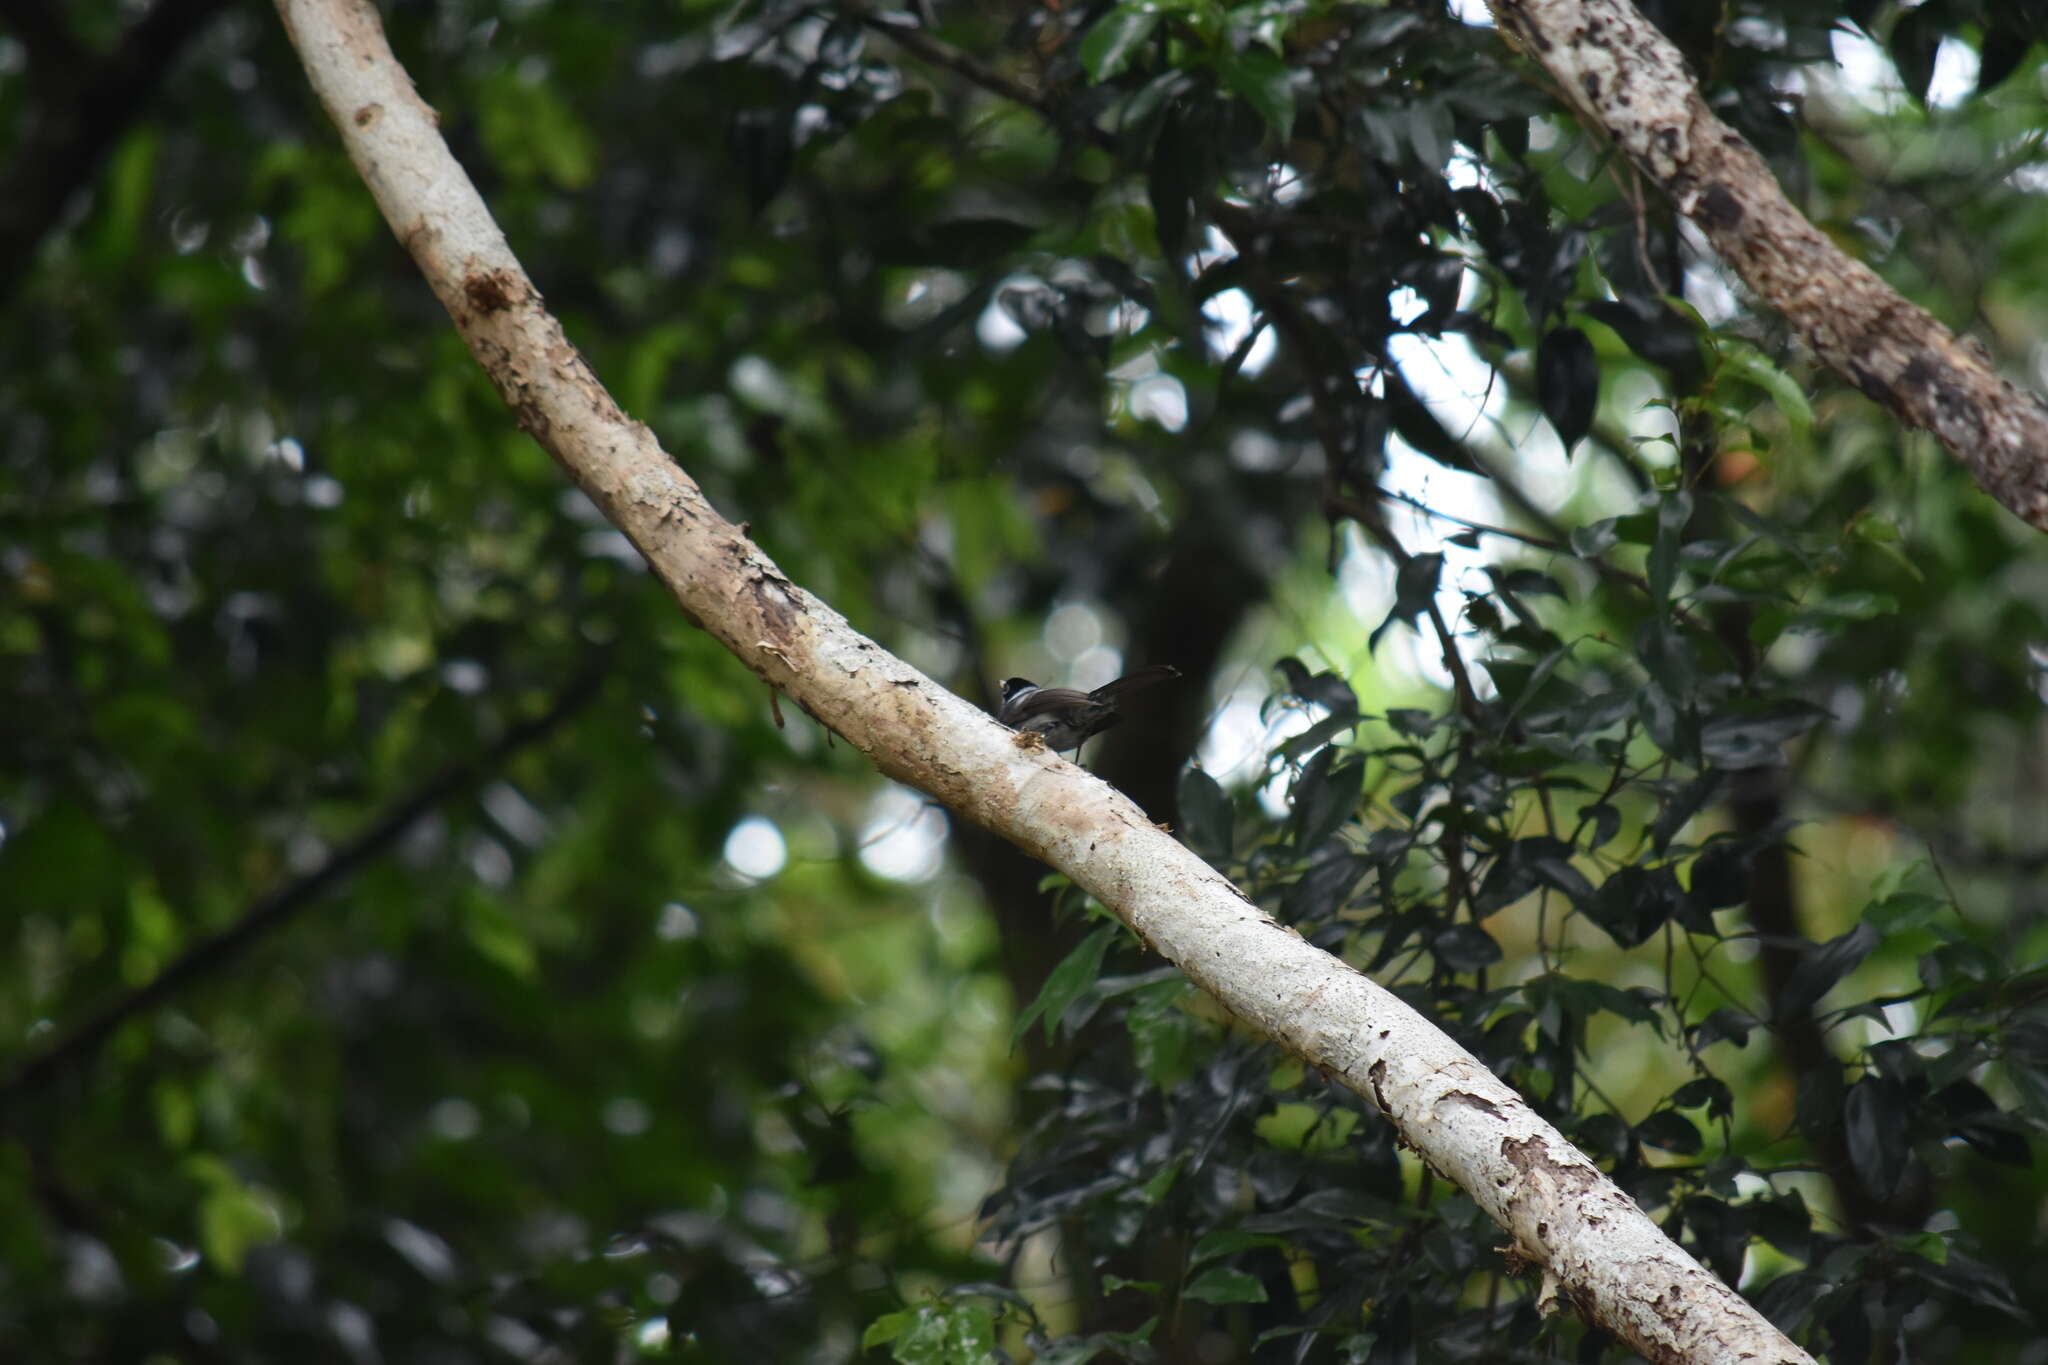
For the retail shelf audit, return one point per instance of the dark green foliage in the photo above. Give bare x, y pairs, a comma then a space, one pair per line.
1568, 382
1710, 817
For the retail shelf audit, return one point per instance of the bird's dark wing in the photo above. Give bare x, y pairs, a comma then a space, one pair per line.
1041, 704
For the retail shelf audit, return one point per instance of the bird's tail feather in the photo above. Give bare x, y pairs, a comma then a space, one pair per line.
1131, 682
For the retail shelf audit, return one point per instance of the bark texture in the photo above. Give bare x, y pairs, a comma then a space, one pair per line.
1595, 1246
1626, 78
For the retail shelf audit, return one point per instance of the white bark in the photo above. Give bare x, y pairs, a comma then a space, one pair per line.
1625, 77
1561, 1212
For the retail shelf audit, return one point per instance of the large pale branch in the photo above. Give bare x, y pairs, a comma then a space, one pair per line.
1626, 78
1563, 1215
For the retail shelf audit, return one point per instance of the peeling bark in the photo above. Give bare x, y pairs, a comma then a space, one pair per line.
1625, 77
1563, 1214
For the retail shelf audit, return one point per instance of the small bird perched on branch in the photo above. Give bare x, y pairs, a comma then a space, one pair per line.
1066, 717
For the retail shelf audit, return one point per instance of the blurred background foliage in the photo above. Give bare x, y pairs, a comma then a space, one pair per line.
421, 945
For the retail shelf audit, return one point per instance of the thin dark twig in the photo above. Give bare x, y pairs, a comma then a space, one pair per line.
1556, 546
274, 909
919, 43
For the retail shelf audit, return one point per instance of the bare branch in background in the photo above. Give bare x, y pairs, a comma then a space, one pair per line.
1627, 79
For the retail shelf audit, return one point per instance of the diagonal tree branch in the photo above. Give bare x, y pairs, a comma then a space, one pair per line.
1593, 1243
272, 911
1625, 77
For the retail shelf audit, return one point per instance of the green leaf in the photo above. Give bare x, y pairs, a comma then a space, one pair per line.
1465, 948
494, 934
1415, 586
1724, 1025
936, 1334
1673, 513
1155, 1189
887, 1328
532, 130
1742, 361
1327, 690
1170, 176
1266, 85
1316, 736
1657, 331
1821, 966
1581, 1000
1907, 910
1710, 1091
1720, 878
152, 934
1877, 1120
1411, 721
1069, 981
1568, 383
1112, 1283
1753, 737
1884, 538
1670, 1130
1113, 40
1635, 903
1915, 42
1594, 539
1205, 815
1605, 821
1230, 1241
1321, 891
177, 1113
1221, 1284
233, 1218
124, 190
1324, 797
1162, 1033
